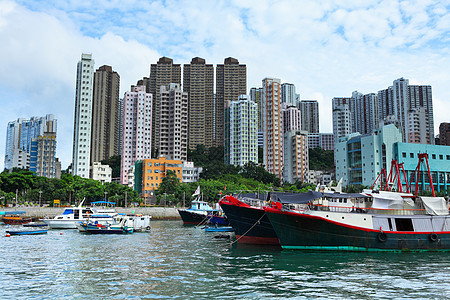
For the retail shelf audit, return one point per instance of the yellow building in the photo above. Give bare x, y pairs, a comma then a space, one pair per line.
154, 170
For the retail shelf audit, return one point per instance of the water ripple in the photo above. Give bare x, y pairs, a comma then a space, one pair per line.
177, 262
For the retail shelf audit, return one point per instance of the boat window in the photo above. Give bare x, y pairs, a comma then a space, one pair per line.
404, 224
390, 224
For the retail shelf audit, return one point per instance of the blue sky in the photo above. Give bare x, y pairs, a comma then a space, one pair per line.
327, 48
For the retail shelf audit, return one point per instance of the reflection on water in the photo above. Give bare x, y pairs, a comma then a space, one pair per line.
174, 261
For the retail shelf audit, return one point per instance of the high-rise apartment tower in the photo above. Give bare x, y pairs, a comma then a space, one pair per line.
81, 158
198, 82
231, 82
162, 73
105, 114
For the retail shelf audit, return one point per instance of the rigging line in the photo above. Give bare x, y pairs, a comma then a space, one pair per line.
202, 222
257, 222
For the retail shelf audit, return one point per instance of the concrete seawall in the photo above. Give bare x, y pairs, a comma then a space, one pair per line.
157, 213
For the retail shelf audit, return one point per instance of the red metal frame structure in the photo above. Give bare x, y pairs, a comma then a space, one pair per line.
395, 175
381, 175
421, 157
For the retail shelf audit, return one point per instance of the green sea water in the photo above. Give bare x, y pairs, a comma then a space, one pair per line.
177, 262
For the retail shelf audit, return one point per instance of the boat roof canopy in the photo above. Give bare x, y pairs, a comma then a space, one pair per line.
14, 212
103, 202
296, 198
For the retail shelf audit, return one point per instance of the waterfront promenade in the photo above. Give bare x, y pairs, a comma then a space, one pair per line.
157, 213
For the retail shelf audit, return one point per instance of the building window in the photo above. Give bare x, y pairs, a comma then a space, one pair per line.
411, 155
404, 154
448, 157
441, 156
433, 156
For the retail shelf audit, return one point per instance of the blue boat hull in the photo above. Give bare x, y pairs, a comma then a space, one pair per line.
27, 232
107, 231
218, 220
219, 229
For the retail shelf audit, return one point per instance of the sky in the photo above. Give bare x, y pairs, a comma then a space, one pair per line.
327, 48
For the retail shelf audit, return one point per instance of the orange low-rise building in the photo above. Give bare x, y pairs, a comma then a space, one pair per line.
154, 170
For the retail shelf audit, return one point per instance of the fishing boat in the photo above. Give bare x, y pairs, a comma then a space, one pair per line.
201, 213
369, 221
14, 218
196, 214
375, 221
71, 216
246, 215
26, 232
120, 224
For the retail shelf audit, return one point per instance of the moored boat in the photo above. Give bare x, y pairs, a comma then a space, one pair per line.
201, 213
117, 225
71, 216
14, 218
219, 229
370, 221
247, 216
197, 213
26, 232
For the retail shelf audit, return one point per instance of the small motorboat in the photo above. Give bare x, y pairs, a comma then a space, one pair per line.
26, 232
73, 215
121, 224
13, 218
219, 229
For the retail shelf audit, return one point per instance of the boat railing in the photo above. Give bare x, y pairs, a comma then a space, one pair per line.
368, 210
254, 202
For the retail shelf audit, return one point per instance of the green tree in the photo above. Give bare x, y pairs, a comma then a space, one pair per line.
114, 163
170, 183
320, 159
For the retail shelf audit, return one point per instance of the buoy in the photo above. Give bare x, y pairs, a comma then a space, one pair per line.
8, 235
60, 233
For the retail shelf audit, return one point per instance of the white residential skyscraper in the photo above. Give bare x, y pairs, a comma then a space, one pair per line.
342, 117
173, 122
292, 119
243, 127
397, 101
272, 123
365, 112
288, 94
81, 158
137, 129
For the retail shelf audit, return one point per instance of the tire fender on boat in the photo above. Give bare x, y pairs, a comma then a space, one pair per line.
433, 237
382, 237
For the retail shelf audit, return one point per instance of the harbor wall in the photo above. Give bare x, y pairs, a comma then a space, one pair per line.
157, 213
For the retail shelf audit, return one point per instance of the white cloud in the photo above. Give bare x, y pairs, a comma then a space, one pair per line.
38, 76
326, 49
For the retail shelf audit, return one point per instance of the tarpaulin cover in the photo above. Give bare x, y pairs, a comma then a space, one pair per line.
296, 198
435, 206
